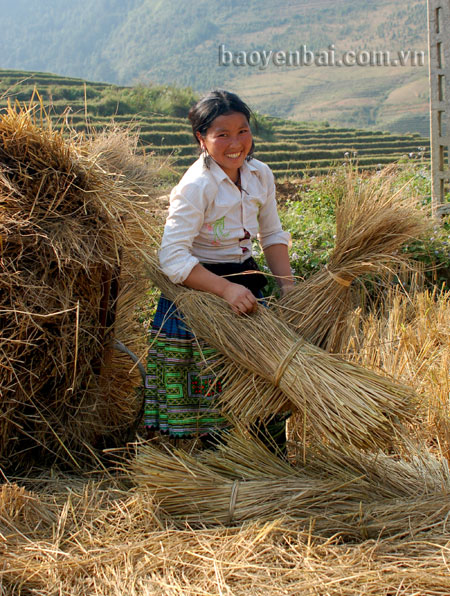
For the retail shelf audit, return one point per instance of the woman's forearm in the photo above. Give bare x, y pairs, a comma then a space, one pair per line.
202, 279
277, 258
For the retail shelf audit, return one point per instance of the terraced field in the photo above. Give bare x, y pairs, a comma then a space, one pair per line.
292, 149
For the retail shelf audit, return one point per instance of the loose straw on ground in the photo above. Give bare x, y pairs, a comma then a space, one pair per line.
68, 535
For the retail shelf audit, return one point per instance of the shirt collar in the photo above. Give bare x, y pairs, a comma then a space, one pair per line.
220, 175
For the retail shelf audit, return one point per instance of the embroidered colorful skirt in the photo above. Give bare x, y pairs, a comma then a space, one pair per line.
180, 395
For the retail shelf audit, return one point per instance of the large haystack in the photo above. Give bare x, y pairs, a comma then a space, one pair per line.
68, 231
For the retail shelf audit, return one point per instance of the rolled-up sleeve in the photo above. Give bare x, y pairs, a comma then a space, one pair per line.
185, 218
270, 230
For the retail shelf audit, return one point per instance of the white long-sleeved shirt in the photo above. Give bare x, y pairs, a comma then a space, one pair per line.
209, 217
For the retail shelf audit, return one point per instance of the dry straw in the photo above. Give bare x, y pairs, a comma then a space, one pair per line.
68, 535
82, 537
356, 496
342, 402
409, 336
374, 218
68, 226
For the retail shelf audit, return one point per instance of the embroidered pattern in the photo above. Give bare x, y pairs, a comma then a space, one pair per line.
180, 396
219, 231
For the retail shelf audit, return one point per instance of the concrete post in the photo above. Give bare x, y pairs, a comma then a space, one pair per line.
439, 61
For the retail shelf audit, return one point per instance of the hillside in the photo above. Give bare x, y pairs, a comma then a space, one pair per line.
125, 41
290, 148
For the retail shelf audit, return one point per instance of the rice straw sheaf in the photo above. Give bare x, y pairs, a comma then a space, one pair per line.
232, 486
242, 455
67, 226
345, 403
374, 219
190, 491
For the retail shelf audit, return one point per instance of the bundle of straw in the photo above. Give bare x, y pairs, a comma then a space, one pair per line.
189, 490
244, 481
343, 402
374, 219
66, 227
415, 474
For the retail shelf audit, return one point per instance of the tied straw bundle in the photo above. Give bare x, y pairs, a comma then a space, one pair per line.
190, 491
373, 220
67, 227
357, 497
343, 402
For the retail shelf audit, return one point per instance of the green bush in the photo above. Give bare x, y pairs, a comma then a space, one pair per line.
169, 138
263, 126
60, 92
108, 107
309, 218
165, 99
434, 249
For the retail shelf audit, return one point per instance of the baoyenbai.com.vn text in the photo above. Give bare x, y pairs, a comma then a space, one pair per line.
262, 59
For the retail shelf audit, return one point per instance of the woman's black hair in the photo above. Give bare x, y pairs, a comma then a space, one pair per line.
217, 103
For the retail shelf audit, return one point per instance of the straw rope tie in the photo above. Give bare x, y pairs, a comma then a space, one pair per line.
233, 499
338, 279
286, 360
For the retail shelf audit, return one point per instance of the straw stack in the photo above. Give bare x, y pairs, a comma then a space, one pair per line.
116, 152
67, 226
344, 403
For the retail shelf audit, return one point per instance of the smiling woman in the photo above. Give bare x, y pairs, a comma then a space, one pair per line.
223, 201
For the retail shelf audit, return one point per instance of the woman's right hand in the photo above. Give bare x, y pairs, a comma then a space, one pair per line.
240, 298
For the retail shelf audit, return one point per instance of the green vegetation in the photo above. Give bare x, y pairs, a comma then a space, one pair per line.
146, 100
158, 112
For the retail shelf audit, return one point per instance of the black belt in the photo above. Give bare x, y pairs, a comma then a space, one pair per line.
241, 273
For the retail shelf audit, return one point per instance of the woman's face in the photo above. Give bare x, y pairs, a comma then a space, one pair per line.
228, 141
